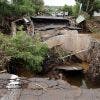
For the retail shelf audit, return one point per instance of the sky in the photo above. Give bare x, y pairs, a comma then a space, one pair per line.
59, 2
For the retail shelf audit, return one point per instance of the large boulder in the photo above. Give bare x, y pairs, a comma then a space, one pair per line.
71, 41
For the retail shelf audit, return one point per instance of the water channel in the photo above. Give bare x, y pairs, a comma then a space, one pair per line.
78, 79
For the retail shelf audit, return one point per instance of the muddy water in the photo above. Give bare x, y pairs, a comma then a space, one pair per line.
74, 78
80, 79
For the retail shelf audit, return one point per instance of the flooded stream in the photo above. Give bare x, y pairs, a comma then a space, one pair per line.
73, 78
80, 80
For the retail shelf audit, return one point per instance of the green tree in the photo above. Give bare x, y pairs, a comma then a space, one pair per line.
97, 5
16, 8
39, 6
48, 10
90, 6
76, 9
68, 9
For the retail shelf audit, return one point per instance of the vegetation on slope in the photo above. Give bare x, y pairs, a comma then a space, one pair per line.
29, 52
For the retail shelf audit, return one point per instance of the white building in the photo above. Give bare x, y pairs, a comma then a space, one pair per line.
96, 13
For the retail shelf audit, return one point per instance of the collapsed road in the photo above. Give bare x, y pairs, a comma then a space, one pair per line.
44, 89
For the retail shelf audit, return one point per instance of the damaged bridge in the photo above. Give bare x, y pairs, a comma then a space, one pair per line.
40, 21
50, 19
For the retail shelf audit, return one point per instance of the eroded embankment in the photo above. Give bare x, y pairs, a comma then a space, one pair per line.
82, 46
94, 59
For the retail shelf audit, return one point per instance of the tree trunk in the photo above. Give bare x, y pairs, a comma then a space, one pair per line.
13, 28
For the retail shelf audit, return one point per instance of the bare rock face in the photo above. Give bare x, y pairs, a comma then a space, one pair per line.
94, 57
71, 41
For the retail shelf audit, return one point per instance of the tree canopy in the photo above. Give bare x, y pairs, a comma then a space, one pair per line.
68, 9
39, 6
90, 6
72, 10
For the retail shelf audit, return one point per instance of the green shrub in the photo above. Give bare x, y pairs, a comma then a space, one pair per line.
3, 57
30, 50
76, 10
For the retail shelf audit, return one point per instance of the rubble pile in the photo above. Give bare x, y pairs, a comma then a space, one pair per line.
93, 25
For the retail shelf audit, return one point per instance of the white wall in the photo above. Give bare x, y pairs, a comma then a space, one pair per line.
96, 13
